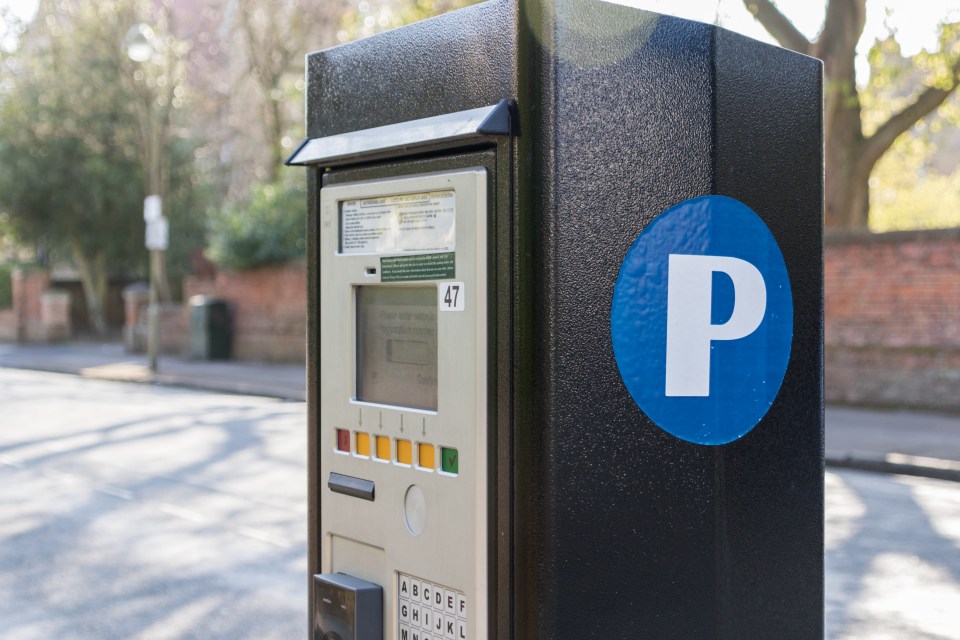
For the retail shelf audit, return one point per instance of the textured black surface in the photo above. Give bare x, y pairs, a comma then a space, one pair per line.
605, 526
638, 534
458, 61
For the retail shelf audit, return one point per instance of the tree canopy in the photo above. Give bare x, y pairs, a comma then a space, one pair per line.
69, 173
74, 140
852, 147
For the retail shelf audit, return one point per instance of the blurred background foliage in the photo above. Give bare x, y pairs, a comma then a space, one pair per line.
6, 286
266, 227
226, 93
916, 184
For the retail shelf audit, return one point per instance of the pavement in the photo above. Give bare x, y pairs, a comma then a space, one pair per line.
109, 361
907, 442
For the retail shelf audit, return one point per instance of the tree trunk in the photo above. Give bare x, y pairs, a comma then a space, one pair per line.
849, 157
846, 184
93, 277
274, 119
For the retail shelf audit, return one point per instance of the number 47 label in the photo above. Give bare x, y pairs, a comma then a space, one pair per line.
451, 296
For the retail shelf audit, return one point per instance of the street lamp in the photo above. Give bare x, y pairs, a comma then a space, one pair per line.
139, 43
141, 46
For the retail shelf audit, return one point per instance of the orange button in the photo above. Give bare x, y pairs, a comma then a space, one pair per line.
404, 452
383, 448
363, 444
425, 456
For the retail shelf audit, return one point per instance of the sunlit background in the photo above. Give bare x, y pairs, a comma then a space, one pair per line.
208, 117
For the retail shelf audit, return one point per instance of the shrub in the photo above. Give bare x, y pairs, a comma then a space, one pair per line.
6, 286
269, 227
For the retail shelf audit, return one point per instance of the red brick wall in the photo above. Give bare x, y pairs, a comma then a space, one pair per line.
269, 308
8, 325
174, 321
892, 307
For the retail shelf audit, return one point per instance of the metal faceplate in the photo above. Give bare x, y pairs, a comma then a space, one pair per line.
426, 525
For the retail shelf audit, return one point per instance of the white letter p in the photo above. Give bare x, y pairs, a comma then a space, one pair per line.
689, 310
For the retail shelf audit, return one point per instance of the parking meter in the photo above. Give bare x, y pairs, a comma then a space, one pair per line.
565, 328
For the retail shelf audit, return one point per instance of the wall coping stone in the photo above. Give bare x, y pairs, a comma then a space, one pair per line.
865, 237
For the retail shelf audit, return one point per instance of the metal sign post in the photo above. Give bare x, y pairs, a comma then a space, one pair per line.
157, 238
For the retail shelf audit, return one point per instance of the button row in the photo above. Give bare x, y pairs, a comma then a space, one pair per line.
399, 450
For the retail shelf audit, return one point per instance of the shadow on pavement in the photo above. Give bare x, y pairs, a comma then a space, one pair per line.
187, 522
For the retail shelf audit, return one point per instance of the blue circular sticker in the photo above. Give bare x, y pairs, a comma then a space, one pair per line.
702, 320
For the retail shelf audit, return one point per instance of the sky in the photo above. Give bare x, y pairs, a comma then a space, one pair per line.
915, 21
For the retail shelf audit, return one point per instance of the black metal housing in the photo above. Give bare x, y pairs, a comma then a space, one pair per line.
604, 526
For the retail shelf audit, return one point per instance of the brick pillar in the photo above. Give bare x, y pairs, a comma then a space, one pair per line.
28, 287
136, 299
55, 315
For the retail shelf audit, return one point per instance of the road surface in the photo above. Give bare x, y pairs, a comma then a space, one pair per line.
133, 511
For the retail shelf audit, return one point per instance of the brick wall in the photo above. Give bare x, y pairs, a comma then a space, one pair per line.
174, 329
269, 307
892, 307
39, 313
8, 325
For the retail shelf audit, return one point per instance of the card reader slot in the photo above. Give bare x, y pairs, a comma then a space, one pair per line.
350, 486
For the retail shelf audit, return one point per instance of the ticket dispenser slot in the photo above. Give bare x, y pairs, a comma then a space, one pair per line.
402, 424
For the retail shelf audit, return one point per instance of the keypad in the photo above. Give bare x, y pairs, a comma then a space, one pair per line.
429, 611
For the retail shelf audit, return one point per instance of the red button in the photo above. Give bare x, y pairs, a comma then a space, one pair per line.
343, 440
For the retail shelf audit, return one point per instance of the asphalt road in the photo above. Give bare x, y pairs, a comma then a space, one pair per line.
134, 511
131, 511
892, 557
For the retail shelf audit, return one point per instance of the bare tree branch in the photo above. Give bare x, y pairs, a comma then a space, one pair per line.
900, 122
779, 26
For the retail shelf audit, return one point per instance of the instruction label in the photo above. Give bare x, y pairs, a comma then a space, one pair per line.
433, 266
399, 224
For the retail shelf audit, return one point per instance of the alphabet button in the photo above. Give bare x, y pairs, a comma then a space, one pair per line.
426, 617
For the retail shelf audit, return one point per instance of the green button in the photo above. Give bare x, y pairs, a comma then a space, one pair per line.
449, 460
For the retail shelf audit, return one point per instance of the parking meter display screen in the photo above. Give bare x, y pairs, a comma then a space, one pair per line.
397, 346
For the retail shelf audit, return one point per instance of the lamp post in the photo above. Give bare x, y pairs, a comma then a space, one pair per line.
141, 47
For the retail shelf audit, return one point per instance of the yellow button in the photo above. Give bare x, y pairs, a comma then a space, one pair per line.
404, 452
383, 448
425, 456
363, 444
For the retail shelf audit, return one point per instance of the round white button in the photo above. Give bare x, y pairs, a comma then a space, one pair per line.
414, 510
